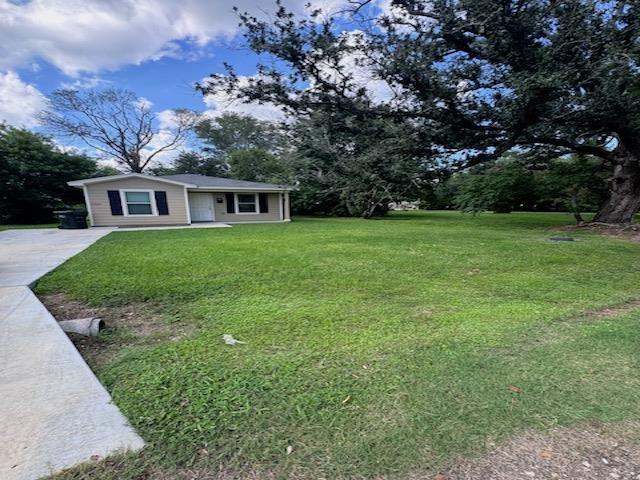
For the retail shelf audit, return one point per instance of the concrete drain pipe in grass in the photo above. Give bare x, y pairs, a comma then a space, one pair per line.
89, 327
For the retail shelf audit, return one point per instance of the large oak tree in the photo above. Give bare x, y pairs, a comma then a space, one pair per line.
477, 78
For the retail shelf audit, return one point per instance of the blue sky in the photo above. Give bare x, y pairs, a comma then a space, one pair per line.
157, 48
167, 82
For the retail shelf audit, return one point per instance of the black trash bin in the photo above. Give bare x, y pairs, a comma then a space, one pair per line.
72, 219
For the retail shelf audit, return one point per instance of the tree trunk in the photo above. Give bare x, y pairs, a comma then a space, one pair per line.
134, 162
574, 207
624, 192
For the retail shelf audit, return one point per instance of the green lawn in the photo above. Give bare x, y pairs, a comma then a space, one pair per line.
21, 226
374, 348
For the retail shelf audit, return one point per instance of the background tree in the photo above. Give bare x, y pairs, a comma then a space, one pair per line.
476, 78
116, 123
516, 182
193, 162
237, 146
105, 171
230, 132
257, 165
34, 176
352, 165
436, 191
500, 186
577, 184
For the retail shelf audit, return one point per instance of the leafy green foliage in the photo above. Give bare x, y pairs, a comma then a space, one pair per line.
236, 146
105, 171
352, 165
500, 186
193, 162
376, 349
257, 165
574, 184
231, 132
518, 182
34, 176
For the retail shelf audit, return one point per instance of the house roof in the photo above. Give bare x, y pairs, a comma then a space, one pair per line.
188, 180
89, 181
204, 181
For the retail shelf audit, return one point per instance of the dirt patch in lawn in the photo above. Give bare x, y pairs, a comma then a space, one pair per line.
588, 452
627, 232
128, 325
612, 311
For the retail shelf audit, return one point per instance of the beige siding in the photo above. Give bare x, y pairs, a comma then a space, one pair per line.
101, 210
223, 216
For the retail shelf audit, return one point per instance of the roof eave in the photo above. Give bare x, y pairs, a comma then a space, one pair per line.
250, 189
90, 181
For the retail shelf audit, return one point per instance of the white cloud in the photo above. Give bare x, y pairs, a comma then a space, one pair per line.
19, 102
166, 120
143, 103
160, 139
361, 70
388, 9
221, 102
85, 82
354, 64
91, 35
110, 162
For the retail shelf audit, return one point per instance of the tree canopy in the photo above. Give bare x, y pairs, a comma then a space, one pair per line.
514, 182
230, 132
500, 186
236, 146
352, 165
475, 78
34, 176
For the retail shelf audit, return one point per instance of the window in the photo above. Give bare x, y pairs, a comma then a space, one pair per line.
247, 203
138, 202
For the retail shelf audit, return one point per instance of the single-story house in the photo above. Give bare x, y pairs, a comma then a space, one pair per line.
135, 199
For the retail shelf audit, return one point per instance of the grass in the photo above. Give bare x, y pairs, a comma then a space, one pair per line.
374, 349
23, 226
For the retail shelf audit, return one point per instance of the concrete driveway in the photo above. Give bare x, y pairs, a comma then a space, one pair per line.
26, 255
54, 413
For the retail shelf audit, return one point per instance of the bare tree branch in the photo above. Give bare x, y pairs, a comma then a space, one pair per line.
116, 123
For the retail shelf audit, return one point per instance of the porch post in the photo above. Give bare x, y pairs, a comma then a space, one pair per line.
187, 206
287, 212
87, 204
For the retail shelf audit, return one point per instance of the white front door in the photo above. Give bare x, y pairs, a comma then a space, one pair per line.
201, 207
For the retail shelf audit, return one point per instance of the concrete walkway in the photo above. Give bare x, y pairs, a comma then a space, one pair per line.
54, 413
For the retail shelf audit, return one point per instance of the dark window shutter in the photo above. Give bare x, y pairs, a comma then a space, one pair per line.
161, 202
263, 201
231, 202
114, 202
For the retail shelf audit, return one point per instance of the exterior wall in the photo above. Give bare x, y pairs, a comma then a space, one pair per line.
101, 211
222, 215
